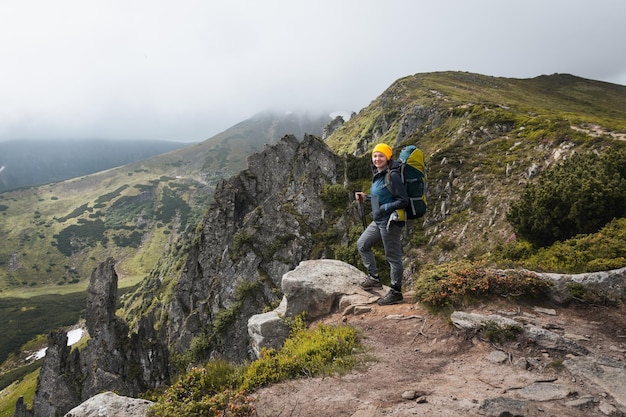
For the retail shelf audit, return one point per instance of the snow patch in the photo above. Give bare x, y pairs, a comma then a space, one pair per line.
73, 336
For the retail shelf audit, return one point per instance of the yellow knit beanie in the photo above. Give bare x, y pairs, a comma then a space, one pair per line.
385, 149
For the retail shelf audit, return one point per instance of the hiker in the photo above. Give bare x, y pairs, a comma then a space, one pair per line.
388, 211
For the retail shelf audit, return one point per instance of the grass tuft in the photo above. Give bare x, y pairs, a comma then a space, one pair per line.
220, 388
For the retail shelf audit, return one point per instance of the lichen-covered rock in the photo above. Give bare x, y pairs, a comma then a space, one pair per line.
607, 285
317, 287
113, 359
110, 404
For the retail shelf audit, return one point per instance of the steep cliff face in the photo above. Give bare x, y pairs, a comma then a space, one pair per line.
260, 225
113, 359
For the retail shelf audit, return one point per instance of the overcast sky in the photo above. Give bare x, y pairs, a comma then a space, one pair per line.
186, 70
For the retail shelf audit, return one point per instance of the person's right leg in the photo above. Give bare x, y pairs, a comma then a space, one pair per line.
368, 238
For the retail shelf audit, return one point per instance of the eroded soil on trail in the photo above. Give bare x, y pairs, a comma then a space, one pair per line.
418, 364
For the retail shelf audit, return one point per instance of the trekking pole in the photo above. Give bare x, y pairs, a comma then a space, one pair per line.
362, 213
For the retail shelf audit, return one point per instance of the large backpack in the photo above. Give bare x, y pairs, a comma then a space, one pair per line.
413, 172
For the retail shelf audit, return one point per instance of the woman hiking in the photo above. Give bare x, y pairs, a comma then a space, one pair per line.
388, 198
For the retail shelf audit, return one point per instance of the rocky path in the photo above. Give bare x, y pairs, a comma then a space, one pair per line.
419, 364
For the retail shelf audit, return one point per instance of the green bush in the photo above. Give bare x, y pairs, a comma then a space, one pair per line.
132, 240
75, 237
205, 391
171, 205
459, 283
307, 352
77, 212
334, 196
358, 168
516, 250
110, 196
599, 251
578, 196
219, 388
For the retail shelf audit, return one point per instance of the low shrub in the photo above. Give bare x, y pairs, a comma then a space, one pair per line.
205, 391
220, 388
460, 283
599, 251
499, 334
307, 352
578, 196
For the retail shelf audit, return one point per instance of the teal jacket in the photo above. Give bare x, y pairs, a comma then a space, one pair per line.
384, 202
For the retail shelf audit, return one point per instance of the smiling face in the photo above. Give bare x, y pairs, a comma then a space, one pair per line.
379, 160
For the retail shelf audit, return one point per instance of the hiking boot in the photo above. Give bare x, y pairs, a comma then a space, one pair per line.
371, 283
392, 297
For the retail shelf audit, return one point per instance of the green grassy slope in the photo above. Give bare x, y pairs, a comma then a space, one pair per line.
54, 235
484, 138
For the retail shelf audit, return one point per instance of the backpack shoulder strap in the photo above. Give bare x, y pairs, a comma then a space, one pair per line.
388, 183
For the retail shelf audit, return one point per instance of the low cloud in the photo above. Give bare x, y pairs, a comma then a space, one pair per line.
188, 70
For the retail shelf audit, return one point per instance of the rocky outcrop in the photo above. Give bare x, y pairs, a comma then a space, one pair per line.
113, 360
605, 373
542, 337
602, 287
416, 118
608, 286
330, 128
260, 226
110, 404
58, 383
317, 287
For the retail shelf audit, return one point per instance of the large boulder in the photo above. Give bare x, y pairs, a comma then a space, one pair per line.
317, 287
110, 404
268, 330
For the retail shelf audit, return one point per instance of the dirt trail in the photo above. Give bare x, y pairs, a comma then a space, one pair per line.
418, 364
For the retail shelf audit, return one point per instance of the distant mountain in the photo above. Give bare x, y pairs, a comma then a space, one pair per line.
226, 153
55, 234
24, 163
